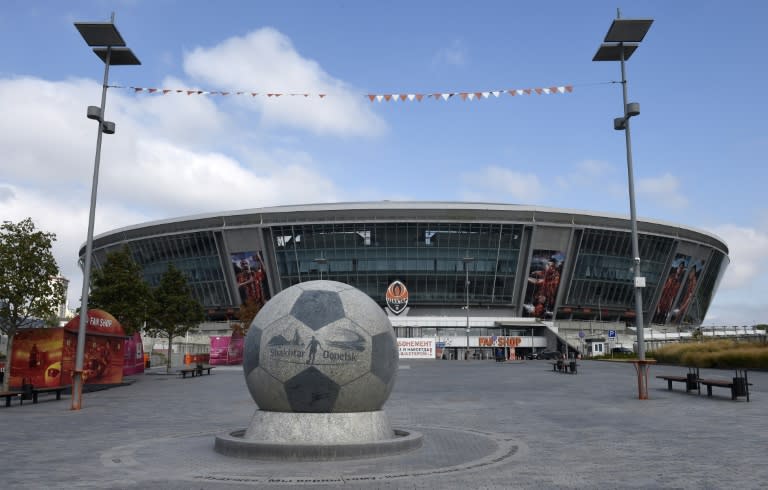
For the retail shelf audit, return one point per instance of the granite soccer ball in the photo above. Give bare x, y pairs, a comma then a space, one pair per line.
320, 346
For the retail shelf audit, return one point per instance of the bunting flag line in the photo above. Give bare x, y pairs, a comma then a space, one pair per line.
407, 97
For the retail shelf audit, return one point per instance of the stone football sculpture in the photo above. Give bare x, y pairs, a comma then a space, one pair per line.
320, 361
320, 346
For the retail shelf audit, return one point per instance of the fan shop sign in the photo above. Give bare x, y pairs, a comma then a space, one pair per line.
416, 348
499, 341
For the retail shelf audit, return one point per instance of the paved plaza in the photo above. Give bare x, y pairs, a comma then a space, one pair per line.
485, 425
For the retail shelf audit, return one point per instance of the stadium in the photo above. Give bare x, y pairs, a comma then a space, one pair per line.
472, 277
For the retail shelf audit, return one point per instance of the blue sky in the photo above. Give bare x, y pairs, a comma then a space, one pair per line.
699, 145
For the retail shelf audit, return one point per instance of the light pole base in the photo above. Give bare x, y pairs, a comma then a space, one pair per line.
641, 367
77, 390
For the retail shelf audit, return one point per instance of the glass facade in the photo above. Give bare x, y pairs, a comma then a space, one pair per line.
604, 276
426, 257
195, 254
369, 252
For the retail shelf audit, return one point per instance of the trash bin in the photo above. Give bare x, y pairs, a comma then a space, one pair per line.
739, 386
26, 390
691, 382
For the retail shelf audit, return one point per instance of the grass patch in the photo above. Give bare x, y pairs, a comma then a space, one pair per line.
722, 354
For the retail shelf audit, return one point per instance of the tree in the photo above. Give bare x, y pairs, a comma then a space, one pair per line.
119, 289
245, 315
28, 291
173, 310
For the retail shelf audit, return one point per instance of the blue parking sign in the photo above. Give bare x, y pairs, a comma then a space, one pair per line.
611, 333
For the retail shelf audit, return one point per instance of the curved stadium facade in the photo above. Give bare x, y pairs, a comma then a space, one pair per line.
520, 262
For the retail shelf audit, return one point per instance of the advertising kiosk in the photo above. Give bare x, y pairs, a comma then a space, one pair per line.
45, 357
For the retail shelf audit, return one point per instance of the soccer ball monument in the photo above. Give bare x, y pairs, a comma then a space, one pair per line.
320, 360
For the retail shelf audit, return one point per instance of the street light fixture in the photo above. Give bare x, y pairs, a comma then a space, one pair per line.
620, 42
467, 261
110, 48
320, 261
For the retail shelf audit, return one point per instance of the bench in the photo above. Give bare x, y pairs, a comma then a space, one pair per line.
48, 389
11, 394
691, 380
739, 385
30, 392
195, 371
565, 366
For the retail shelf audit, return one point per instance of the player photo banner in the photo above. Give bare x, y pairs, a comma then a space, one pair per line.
543, 283
688, 290
251, 277
671, 287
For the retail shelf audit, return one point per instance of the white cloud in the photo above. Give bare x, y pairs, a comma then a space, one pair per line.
663, 190
747, 251
594, 175
171, 155
455, 54
500, 184
266, 61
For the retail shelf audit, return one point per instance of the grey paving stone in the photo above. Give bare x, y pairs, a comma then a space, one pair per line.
485, 425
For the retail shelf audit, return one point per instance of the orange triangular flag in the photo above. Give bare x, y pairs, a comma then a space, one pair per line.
463, 95
387, 97
371, 97
419, 97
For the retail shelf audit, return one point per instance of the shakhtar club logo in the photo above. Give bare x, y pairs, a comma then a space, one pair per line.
397, 297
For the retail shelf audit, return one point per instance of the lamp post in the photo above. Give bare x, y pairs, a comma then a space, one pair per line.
532, 349
621, 41
320, 261
110, 48
467, 261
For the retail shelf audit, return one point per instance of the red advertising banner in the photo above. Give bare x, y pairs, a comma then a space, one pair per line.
226, 350
133, 355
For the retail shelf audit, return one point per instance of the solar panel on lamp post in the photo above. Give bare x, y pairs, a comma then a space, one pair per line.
621, 41
109, 46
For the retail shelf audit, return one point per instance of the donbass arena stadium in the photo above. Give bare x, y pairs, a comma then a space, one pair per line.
458, 280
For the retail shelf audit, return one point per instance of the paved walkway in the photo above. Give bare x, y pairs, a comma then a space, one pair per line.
485, 425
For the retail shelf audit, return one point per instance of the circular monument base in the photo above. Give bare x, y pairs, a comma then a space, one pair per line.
317, 436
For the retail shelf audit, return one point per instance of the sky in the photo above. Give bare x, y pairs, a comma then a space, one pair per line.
699, 145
